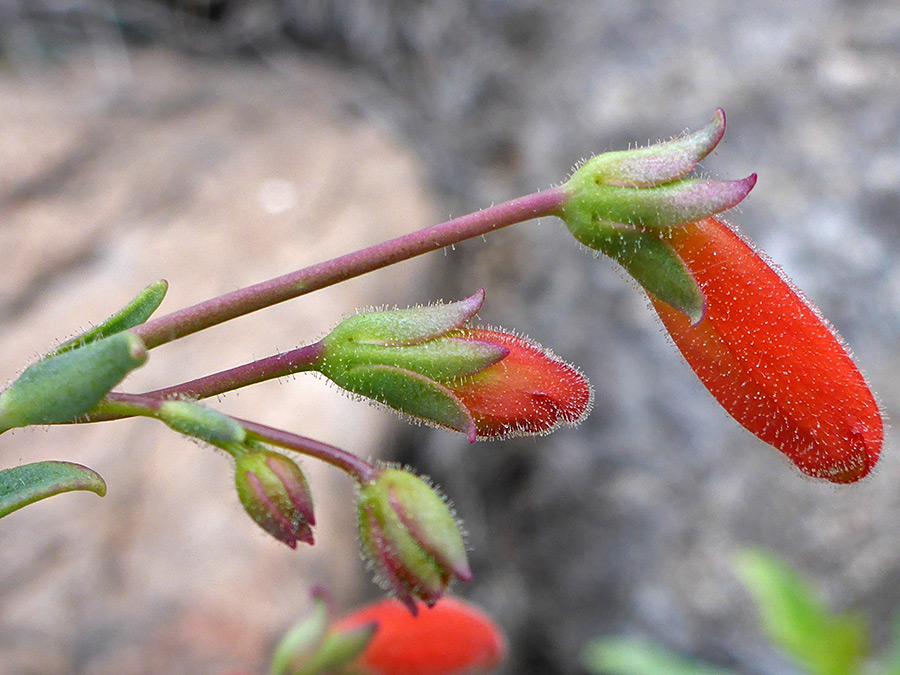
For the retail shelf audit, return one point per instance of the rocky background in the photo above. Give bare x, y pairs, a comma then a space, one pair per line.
215, 143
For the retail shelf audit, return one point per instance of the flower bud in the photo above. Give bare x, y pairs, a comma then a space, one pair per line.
771, 360
426, 363
451, 638
410, 537
65, 386
622, 203
193, 419
276, 494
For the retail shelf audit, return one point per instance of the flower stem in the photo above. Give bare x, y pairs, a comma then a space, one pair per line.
123, 405
294, 284
116, 404
357, 467
279, 365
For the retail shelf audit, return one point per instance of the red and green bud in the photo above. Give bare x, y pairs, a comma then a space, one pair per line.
66, 385
276, 495
411, 537
770, 359
426, 363
618, 202
451, 638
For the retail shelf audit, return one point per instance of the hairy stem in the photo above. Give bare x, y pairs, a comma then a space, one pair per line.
269, 368
357, 467
124, 405
243, 301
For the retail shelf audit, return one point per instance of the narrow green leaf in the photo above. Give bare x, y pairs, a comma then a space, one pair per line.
627, 656
797, 621
26, 484
133, 314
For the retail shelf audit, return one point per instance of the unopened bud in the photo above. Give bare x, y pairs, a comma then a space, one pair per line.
425, 362
411, 537
193, 419
276, 494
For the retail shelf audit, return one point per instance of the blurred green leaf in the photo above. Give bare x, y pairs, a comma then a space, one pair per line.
26, 484
796, 620
627, 656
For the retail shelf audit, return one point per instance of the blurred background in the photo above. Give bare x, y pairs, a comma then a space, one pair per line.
216, 143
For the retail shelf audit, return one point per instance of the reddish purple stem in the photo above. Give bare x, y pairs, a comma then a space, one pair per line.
243, 301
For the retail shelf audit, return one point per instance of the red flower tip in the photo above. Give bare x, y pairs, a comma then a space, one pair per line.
530, 391
451, 638
770, 359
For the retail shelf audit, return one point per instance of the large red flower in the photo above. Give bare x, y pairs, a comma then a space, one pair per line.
770, 359
451, 638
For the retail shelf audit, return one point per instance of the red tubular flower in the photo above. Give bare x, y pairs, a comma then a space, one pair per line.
529, 391
427, 363
451, 638
770, 359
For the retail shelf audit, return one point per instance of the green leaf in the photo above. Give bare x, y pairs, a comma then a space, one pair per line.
133, 314
26, 484
796, 620
627, 656
60, 388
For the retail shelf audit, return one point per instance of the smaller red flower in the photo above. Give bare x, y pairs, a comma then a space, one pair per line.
529, 391
451, 638
425, 362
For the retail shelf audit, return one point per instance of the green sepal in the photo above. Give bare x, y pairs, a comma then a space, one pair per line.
26, 484
426, 516
406, 326
62, 387
443, 359
302, 641
133, 314
393, 550
653, 263
797, 621
661, 206
660, 162
338, 650
193, 419
409, 393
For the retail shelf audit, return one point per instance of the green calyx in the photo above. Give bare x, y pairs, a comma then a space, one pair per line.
64, 386
410, 534
651, 261
407, 392
409, 359
623, 204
